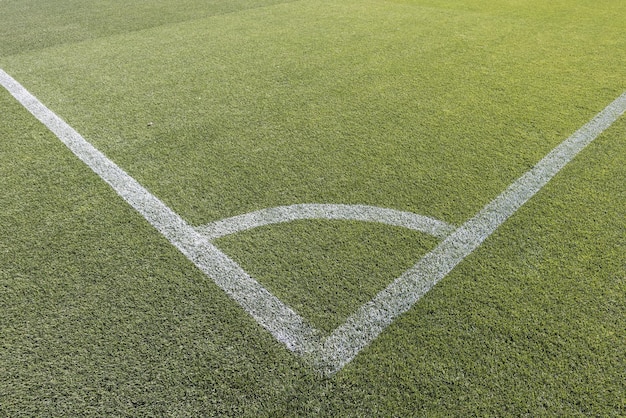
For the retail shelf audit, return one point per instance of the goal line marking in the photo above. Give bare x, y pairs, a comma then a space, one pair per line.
332, 353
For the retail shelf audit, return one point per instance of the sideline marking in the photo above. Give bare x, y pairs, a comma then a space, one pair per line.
374, 316
334, 352
269, 311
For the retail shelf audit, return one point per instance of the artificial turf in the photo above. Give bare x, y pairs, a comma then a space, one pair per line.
221, 108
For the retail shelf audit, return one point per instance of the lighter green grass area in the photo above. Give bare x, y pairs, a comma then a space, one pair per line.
428, 106
415, 108
326, 270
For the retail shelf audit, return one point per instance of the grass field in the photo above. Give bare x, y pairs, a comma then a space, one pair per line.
221, 108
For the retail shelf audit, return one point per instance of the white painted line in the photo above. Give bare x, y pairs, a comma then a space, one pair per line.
373, 317
332, 353
286, 325
291, 213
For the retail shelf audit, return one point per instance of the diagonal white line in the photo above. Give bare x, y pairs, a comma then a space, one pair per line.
333, 353
285, 324
373, 317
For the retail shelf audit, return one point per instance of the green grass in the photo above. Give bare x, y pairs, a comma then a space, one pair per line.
33, 24
428, 106
326, 270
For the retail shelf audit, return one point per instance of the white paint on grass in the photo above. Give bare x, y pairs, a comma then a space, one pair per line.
285, 324
374, 316
291, 213
334, 352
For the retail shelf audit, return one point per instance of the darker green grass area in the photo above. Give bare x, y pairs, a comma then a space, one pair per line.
27, 25
532, 322
429, 110
325, 270
99, 314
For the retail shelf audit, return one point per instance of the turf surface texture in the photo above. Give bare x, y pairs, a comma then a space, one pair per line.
222, 108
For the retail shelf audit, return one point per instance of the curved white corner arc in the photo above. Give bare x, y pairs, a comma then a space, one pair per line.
281, 214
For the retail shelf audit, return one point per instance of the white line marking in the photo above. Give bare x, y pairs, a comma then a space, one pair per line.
286, 325
291, 213
374, 316
334, 352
